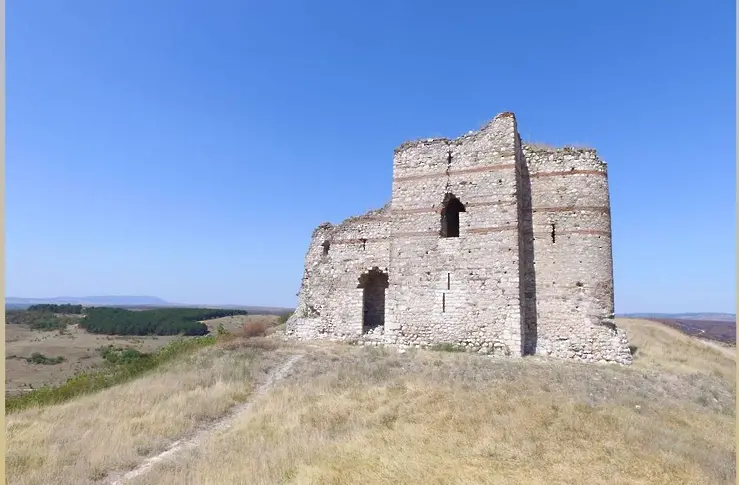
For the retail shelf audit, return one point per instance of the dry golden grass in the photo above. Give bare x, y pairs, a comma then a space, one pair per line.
374, 416
254, 329
236, 323
659, 347
83, 440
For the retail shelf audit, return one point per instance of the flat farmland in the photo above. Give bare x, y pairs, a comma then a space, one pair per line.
80, 350
723, 331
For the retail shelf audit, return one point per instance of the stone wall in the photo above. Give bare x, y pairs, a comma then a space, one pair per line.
529, 273
330, 302
572, 255
460, 290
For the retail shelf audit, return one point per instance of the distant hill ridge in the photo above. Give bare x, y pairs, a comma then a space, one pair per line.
719, 317
128, 301
95, 300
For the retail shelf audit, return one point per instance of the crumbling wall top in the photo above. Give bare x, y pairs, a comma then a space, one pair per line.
448, 141
542, 157
422, 142
566, 149
368, 216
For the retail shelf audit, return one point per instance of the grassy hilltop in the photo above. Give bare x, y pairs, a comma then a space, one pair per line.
359, 415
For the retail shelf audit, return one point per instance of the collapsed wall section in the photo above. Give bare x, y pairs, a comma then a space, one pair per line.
331, 302
457, 286
573, 265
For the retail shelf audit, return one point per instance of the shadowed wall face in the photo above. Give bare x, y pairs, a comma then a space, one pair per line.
527, 270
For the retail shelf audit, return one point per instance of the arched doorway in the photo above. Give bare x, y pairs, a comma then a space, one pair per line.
373, 283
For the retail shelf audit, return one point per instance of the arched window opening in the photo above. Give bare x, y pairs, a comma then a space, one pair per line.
326, 246
374, 283
450, 216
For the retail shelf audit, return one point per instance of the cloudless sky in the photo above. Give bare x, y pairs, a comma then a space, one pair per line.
187, 150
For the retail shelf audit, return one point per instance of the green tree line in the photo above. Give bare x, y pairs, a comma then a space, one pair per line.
162, 321
119, 321
67, 308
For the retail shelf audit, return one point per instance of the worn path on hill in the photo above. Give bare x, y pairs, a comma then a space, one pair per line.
223, 423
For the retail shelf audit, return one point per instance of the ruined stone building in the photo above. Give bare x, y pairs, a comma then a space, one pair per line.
487, 242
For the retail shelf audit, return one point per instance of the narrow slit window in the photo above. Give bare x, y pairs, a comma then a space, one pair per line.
443, 302
448, 281
554, 233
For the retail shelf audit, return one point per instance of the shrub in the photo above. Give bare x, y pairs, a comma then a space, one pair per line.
221, 331
116, 355
41, 359
254, 329
284, 317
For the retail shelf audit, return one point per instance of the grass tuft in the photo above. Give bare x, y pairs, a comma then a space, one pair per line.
448, 348
39, 358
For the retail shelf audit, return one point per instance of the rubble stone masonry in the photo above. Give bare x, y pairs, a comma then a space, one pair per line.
487, 243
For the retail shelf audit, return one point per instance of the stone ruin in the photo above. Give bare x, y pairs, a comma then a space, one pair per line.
489, 243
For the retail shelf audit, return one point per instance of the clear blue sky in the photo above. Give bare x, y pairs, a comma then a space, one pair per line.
187, 149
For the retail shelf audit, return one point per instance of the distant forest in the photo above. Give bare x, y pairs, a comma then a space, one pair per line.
118, 321
67, 308
162, 321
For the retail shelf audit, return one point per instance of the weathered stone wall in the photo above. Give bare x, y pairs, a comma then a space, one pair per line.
572, 256
460, 290
530, 273
330, 302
